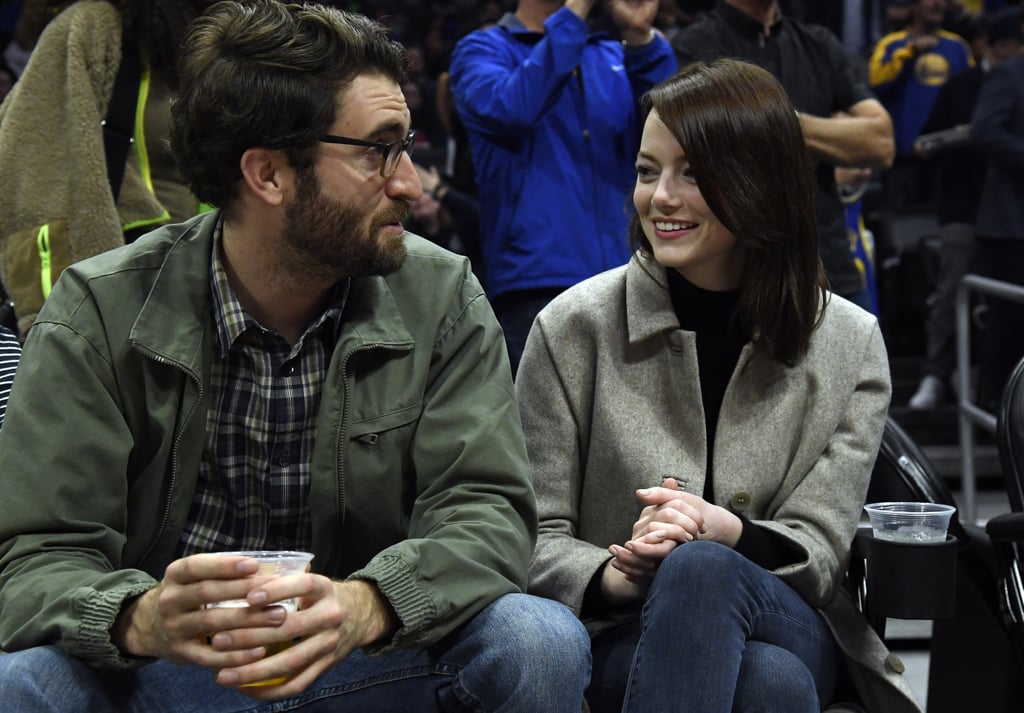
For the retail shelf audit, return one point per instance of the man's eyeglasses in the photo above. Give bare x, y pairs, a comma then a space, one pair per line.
390, 153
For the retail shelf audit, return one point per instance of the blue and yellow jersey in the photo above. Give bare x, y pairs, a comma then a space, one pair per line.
907, 83
862, 247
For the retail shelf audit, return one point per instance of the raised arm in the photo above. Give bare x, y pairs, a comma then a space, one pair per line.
501, 91
863, 137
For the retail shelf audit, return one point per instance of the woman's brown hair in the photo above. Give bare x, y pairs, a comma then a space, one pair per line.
742, 139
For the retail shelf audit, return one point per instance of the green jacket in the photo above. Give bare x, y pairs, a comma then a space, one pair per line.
419, 471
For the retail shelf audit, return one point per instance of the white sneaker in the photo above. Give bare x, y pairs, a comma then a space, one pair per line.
930, 394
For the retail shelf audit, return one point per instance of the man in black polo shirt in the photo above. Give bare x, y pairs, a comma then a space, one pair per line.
822, 81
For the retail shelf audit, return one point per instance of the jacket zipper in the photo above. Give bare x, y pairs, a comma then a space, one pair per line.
343, 431
166, 513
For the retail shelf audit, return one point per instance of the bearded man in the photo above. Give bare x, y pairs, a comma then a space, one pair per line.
292, 371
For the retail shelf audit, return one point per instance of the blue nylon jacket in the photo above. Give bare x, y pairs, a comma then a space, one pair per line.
553, 126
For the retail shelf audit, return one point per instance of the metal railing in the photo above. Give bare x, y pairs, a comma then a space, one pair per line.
971, 414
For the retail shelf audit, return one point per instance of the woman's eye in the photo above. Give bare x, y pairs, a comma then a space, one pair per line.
643, 172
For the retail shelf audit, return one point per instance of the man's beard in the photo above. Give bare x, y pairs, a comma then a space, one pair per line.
327, 239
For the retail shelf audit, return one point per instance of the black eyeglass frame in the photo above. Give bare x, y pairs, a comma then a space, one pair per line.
390, 152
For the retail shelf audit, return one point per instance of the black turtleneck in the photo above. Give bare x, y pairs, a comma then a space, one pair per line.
719, 343
720, 339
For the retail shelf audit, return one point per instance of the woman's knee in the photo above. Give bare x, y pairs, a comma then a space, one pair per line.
772, 678
698, 564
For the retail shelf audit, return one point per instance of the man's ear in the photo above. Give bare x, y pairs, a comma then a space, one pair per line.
267, 174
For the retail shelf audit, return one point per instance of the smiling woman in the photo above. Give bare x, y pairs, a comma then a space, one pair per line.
726, 411
748, 175
291, 371
681, 230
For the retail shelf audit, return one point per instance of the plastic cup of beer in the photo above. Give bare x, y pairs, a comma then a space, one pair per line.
280, 563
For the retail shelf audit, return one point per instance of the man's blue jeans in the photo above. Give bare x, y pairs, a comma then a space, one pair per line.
721, 634
521, 653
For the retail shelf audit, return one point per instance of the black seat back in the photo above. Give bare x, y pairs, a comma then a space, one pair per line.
904, 472
975, 644
1010, 437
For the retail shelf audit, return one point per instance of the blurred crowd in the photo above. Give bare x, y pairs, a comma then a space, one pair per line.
908, 52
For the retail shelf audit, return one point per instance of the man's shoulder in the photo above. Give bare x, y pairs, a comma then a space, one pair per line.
705, 34
423, 251
711, 36
1005, 80
899, 37
819, 34
487, 36
1013, 68
951, 38
147, 252
430, 270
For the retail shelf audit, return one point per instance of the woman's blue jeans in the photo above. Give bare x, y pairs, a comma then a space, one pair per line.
720, 634
521, 653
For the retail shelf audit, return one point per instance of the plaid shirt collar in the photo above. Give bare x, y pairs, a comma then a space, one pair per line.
232, 321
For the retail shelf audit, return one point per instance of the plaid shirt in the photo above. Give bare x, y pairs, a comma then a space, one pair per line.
253, 485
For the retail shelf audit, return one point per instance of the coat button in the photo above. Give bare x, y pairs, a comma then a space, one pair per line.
893, 662
740, 501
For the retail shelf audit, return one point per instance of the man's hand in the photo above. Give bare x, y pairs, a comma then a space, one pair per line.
581, 7
171, 622
634, 18
334, 619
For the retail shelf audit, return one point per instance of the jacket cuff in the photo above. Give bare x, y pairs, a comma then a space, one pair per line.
93, 641
415, 610
763, 547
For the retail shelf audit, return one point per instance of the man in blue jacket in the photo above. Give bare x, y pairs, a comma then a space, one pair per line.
551, 113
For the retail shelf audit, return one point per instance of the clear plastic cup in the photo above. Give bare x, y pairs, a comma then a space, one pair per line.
274, 562
910, 522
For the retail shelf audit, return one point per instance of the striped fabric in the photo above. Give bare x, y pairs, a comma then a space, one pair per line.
10, 352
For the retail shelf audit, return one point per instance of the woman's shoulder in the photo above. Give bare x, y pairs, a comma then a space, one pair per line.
844, 314
843, 325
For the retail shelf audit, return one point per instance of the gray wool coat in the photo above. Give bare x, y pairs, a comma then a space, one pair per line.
610, 400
